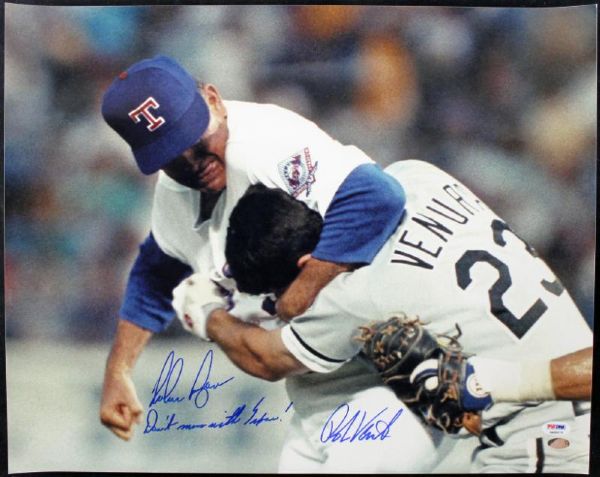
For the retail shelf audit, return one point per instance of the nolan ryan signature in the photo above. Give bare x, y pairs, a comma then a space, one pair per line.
166, 392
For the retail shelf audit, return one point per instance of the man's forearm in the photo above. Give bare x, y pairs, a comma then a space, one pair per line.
254, 350
120, 407
572, 375
129, 342
305, 288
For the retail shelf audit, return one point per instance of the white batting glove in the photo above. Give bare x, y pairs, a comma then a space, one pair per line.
194, 299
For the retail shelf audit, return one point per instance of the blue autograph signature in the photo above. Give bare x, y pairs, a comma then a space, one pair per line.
169, 377
199, 394
341, 428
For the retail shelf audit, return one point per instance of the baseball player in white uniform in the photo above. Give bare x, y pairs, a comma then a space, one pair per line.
450, 261
207, 151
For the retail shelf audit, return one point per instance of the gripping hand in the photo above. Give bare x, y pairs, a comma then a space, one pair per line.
194, 299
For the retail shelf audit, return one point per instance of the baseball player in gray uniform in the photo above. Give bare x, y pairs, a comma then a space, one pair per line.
451, 260
345, 420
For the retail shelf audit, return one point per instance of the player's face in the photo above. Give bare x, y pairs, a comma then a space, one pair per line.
198, 168
202, 166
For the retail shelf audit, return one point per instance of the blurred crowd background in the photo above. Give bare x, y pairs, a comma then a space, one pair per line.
505, 99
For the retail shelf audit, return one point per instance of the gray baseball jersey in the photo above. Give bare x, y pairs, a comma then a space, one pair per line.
453, 261
450, 261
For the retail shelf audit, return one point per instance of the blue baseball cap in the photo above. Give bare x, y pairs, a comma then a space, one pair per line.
156, 107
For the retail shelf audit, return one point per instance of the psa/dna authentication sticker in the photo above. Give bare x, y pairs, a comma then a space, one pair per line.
555, 428
298, 172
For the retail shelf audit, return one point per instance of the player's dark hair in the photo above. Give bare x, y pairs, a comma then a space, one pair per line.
268, 232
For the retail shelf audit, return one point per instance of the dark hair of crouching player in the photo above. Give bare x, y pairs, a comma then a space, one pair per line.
269, 233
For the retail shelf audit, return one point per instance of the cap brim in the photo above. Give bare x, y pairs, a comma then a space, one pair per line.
182, 135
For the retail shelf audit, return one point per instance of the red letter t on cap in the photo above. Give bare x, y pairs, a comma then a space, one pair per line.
144, 110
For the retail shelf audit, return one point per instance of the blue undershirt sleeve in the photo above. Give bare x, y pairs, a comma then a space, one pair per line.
364, 212
148, 295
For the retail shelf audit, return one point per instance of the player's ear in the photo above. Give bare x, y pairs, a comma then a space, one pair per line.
303, 260
212, 95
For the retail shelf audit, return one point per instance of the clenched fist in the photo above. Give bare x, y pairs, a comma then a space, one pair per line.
120, 408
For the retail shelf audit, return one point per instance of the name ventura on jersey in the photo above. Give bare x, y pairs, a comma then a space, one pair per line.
454, 209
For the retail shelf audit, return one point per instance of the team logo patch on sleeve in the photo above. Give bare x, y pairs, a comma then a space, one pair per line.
298, 172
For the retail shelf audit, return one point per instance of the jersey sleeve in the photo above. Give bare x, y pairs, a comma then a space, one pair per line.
310, 170
362, 216
324, 337
148, 295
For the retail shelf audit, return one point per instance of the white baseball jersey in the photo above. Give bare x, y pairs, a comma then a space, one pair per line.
181, 234
276, 147
179, 230
267, 144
